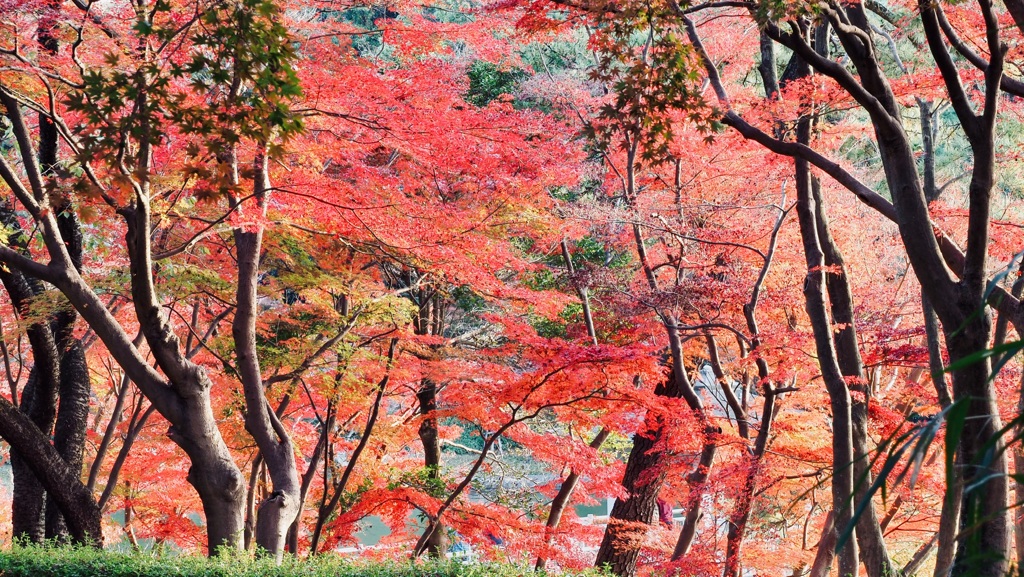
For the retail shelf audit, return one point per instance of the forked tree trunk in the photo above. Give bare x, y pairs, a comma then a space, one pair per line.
839, 395
274, 516
873, 552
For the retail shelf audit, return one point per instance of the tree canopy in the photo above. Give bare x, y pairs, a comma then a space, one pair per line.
750, 272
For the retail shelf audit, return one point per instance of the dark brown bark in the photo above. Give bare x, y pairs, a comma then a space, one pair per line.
644, 474
435, 541
61, 481
427, 396
928, 133
185, 399
766, 67
628, 522
69, 430
49, 340
839, 395
642, 481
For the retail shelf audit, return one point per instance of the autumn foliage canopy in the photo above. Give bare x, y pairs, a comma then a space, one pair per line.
395, 279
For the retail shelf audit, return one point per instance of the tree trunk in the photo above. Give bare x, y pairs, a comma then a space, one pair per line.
628, 522
839, 394
983, 540
62, 482
826, 552
69, 431
427, 396
642, 480
274, 515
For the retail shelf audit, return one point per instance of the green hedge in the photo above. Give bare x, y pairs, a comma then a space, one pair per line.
34, 561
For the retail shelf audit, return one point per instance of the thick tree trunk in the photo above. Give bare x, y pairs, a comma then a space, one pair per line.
180, 389
28, 501
628, 522
642, 480
220, 486
983, 540
61, 481
69, 431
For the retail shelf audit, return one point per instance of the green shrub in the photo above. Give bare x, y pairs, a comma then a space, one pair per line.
36, 561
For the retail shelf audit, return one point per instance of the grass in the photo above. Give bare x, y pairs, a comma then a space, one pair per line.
39, 561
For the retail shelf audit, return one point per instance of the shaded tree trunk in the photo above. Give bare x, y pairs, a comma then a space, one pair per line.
839, 395
62, 482
642, 480
427, 397
69, 431
826, 552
